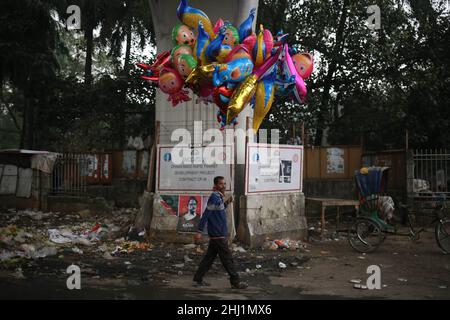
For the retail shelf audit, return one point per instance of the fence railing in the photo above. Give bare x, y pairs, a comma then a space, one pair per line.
70, 174
431, 173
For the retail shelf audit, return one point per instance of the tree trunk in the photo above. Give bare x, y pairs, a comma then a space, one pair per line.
28, 124
89, 37
334, 61
145, 215
11, 114
126, 65
26, 141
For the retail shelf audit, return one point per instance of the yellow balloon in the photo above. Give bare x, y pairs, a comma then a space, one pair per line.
223, 54
191, 16
241, 96
259, 59
261, 108
200, 75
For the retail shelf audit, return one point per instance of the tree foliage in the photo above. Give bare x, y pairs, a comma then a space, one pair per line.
369, 84
78, 90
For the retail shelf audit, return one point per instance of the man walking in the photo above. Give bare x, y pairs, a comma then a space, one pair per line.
216, 219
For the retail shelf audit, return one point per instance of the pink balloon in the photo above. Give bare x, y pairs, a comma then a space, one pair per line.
267, 64
289, 69
218, 25
268, 40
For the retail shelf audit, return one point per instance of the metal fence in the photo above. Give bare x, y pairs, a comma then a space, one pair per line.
431, 173
70, 174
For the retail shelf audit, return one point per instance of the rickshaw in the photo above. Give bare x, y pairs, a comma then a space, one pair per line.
369, 230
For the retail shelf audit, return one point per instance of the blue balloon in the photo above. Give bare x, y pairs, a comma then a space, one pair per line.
245, 29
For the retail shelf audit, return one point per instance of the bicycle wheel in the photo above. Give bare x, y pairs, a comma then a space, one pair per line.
365, 235
442, 234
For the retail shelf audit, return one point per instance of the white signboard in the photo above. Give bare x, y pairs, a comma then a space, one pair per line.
196, 171
273, 168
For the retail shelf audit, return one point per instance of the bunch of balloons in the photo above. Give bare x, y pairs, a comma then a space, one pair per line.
228, 66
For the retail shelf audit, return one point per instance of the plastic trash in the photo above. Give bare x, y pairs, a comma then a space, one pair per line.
282, 243
107, 256
281, 265
77, 250
28, 249
46, 252
239, 249
103, 248
199, 250
82, 241
116, 250
6, 255
258, 266
56, 237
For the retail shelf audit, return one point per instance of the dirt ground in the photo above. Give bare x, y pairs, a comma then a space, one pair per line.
322, 269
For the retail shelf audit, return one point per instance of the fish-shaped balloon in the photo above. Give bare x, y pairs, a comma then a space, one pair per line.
245, 29
263, 46
240, 51
289, 70
213, 48
259, 50
304, 64
241, 96
246, 89
264, 96
201, 44
191, 17
232, 72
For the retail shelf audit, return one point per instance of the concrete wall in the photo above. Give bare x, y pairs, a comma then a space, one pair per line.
276, 216
124, 192
69, 204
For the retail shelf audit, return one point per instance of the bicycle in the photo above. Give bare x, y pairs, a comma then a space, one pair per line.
368, 233
369, 230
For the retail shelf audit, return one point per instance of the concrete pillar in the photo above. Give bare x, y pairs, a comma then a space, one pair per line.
183, 115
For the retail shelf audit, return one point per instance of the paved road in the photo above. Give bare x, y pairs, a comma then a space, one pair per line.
408, 271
